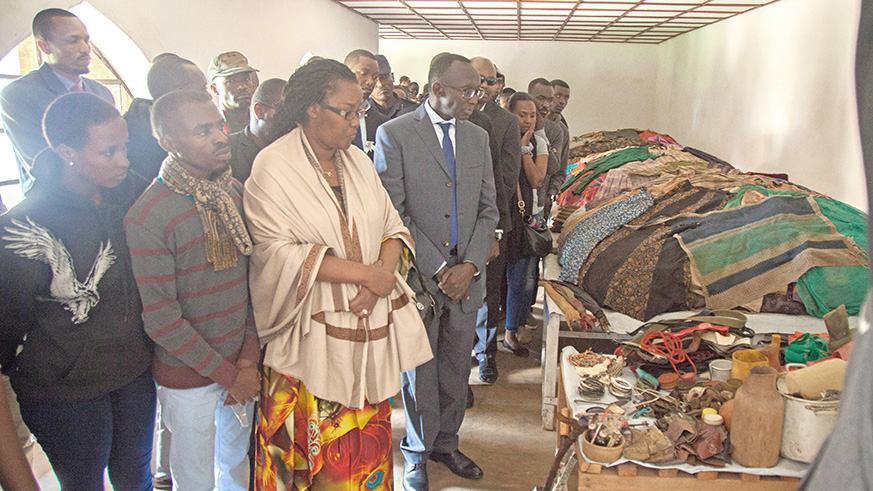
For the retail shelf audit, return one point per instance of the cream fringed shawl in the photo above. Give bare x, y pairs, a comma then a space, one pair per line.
295, 219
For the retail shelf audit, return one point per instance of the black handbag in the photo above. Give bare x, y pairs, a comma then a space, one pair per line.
425, 289
536, 239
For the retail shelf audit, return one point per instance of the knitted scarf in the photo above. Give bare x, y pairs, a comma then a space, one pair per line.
222, 224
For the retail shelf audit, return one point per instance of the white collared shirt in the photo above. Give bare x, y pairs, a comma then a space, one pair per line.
436, 119
68, 84
368, 146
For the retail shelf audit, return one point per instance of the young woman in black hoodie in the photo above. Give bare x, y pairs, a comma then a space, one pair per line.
71, 333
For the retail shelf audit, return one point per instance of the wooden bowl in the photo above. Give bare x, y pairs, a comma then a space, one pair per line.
604, 455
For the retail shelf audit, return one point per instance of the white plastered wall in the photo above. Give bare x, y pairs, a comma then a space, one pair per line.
273, 35
768, 91
613, 85
772, 91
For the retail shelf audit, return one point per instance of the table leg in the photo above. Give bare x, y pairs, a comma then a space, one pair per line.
550, 365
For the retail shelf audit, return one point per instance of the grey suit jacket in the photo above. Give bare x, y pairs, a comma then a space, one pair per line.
557, 178
22, 105
416, 177
559, 151
506, 153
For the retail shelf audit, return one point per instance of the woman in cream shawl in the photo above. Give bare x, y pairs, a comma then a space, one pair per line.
337, 322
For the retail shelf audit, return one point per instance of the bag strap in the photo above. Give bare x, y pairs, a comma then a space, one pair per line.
520, 199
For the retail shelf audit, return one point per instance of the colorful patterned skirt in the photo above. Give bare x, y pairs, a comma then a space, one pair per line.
304, 442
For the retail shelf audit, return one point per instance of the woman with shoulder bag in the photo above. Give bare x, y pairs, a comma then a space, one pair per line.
520, 264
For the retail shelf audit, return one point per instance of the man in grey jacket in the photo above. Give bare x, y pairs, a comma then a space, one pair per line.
437, 171
64, 41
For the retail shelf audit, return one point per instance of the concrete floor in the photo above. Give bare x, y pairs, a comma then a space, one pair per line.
502, 432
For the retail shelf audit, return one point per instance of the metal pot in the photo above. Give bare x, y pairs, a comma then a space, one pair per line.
807, 425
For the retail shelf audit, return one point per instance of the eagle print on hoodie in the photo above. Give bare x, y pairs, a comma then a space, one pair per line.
32, 241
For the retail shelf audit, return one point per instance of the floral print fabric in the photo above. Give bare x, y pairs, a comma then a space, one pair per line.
304, 442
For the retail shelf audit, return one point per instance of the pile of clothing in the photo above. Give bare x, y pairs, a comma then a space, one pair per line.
657, 227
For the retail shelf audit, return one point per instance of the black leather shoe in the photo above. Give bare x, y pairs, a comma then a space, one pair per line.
488, 370
415, 477
459, 464
470, 398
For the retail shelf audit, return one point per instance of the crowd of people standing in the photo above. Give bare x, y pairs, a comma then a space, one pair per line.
252, 281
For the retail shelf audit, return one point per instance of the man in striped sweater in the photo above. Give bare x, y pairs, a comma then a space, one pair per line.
189, 249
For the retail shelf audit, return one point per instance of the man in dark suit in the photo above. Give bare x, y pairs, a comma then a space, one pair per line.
437, 171
559, 103
245, 144
366, 69
63, 40
559, 142
506, 159
167, 73
384, 97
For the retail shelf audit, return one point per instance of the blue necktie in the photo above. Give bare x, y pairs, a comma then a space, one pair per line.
449, 154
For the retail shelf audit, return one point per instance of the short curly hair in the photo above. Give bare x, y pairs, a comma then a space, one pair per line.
164, 109
68, 120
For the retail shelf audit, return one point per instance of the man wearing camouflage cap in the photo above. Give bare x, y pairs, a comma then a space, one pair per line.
234, 81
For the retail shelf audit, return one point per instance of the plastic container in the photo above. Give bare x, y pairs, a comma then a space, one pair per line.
720, 370
745, 360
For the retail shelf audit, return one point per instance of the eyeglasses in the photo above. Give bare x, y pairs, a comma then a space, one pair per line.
488, 80
349, 115
468, 93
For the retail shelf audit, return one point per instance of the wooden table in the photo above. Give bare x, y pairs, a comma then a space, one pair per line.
554, 318
632, 477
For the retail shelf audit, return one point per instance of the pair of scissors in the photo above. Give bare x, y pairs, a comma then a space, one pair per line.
645, 411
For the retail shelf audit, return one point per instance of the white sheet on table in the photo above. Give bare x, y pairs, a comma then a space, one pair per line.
785, 467
760, 323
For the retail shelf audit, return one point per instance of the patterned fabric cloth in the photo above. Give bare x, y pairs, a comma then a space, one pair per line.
604, 141
309, 443
640, 270
824, 289
605, 164
583, 235
305, 325
739, 253
222, 223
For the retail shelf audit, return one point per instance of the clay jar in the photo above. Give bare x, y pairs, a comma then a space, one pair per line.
756, 423
771, 351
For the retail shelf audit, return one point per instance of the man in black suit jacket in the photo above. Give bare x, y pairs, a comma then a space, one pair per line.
63, 40
506, 159
167, 73
365, 67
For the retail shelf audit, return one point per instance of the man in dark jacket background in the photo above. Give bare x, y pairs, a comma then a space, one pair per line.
64, 41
